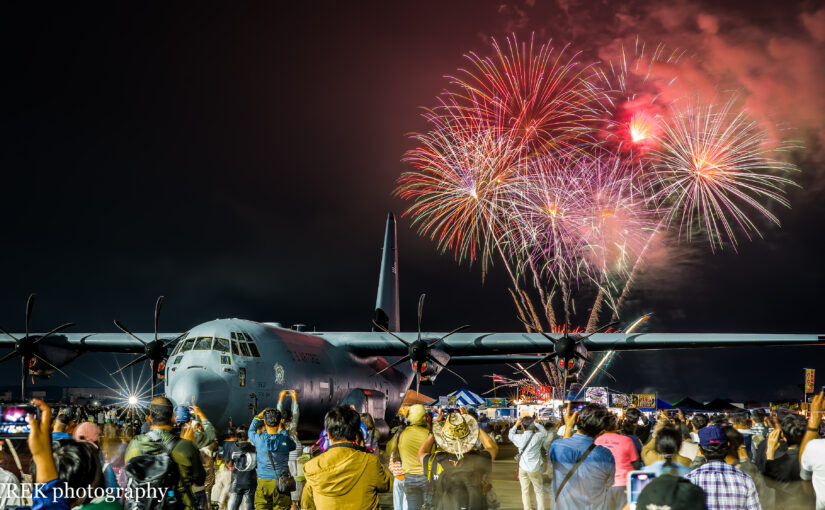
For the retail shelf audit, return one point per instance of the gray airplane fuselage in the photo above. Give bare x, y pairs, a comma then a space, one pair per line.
217, 365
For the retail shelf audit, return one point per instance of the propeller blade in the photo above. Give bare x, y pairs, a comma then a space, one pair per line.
405, 358
123, 328
137, 360
175, 339
417, 383
597, 331
3, 331
543, 360
44, 360
158, 305
542, 333
456, 330
387, 331
9, 356
154, 370
545, 335
25, 363
420, 312
29, 307
444, 367
55, 330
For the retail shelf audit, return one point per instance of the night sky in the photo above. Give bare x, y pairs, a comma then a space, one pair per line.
241, 160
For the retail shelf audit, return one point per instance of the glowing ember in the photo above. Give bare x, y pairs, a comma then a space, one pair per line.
640, 128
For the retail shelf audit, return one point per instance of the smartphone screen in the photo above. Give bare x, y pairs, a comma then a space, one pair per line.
636, 481
577, 405
13, 419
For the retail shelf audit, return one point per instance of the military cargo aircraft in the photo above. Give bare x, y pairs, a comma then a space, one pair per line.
231, 365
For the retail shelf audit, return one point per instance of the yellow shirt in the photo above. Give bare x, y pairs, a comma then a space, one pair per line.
408, 444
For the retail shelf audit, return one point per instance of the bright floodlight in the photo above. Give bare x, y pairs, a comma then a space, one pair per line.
133, 400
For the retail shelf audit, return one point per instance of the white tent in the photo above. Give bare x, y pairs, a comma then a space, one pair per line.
465, 397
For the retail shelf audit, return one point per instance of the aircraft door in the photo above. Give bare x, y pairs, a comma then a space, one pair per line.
367, 401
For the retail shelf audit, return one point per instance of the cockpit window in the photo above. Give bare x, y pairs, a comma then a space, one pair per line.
254, 349
204, 343
235, 348
187, 345
221, 345
246, 346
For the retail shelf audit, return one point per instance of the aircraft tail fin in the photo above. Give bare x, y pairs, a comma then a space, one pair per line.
386, 302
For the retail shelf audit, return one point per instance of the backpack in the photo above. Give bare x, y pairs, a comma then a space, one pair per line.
450, 484
243, 458
157, 476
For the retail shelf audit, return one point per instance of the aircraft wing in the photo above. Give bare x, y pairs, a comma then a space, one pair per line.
485, 344
94, 342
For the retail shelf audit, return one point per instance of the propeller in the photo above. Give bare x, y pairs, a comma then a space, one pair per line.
26, 347
154, 351
566, 347
418, 352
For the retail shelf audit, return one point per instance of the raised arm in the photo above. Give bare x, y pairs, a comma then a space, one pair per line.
814, 419
426, 446
488, 443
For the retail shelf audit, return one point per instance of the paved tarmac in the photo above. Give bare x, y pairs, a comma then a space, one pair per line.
506, 486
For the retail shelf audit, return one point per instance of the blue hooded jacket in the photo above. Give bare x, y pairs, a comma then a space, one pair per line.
279, 445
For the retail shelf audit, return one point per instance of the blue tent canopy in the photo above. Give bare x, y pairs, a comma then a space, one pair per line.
661, 404
465, 397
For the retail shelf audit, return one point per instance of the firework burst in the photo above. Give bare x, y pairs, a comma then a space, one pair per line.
569, 174
633, 86
713, 166
462, 170
532, 92
579, 215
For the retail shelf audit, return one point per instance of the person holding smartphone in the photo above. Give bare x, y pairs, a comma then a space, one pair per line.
583, 471
528, 436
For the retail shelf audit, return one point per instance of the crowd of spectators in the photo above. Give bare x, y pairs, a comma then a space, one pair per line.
82, 457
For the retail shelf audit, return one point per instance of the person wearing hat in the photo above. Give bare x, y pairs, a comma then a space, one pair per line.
407, 445
88, 432
726, 487
456, 471
674, 492
198, 429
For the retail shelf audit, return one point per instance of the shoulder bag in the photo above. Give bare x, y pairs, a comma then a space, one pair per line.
574, 468
286, 482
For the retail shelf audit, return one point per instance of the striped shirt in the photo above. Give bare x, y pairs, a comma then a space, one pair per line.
726, 487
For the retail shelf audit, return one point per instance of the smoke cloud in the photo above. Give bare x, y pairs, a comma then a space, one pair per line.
772, 55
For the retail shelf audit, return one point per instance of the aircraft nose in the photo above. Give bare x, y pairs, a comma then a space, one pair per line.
211, 393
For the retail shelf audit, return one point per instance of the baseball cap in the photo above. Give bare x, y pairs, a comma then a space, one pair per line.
182, 414
669, 491
87, 431
416, 415
712, 435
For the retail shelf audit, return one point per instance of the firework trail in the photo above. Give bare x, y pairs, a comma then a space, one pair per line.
712, 166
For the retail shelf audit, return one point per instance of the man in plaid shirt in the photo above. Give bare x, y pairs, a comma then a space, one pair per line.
726, 487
